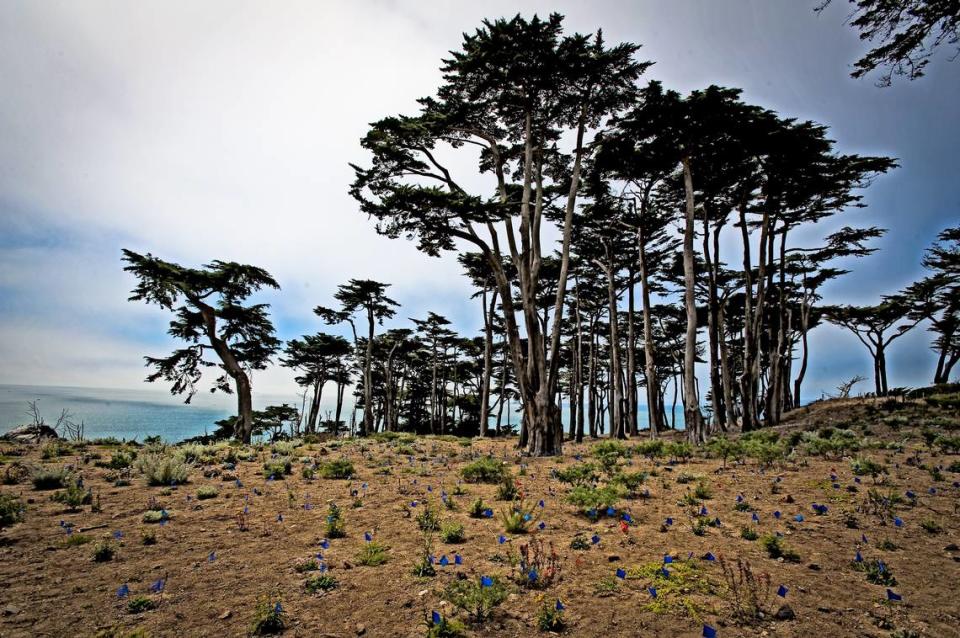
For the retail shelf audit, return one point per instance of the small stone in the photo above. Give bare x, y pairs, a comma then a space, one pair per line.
613, 558
423, 593
226, 614
785, 613
952, 547
11, 610
814, 567
361, 629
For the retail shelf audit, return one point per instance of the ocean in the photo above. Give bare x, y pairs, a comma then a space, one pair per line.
125, 414
136, 414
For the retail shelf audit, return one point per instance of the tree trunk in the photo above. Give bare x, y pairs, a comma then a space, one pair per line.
487, 359
691, 411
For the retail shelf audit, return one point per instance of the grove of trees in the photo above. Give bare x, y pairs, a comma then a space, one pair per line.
629, 246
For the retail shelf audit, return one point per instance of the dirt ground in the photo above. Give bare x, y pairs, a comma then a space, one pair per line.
214, 572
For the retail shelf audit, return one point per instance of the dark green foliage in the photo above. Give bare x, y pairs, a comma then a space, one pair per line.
336, 469
322, 582
11, 510
485, 470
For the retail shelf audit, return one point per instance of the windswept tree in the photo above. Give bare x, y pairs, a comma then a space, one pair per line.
368, 298
876, 327
936, 298
317, 358
906, 32
513, 95
210, 315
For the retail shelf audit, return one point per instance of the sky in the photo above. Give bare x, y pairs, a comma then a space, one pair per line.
223, 130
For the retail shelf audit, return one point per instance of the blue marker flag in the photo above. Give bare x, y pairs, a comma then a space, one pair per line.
709, 632
212, 557
367, 536
123, 591
627, 518
532, 575
325, 544
669, 521
457, 559
891, 595
542, 525
858, 558
560, 606
435, 618
777, 515
486, 581
488, 513
541, 504
666, 574
595, 539
611, 511
501, 539
621, 574
158, 586
756, 519
653, 592
798, 518
118, 534
782, 591
444, 561
668, 558
898, 522
710, 557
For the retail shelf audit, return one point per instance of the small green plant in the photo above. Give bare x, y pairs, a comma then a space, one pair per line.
750, 592
336, 469
446, 628
748, 533
11, 510
877, 572
268, 617
148, 537
74, 496
478, 509
595, 498
335, 525
484, 470
550, 617
373, 554
517, 519
578, 474
428, 520
776, 548
104, 551
75, 540
579, 543
703, 492
476, 597
205, 492
607, 586
931, 526
277, 468
121, 460
155, 516
51, 478
653, 448
865, 467
452, 532
424, 568
507, 489
320, 583
162, 468
140, 604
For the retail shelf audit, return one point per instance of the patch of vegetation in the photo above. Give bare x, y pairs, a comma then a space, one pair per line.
428, 519
11, 510
76, 540
517, 519
476, 597
336, 469
550, 617
452, 532
104, 551
48, 477
776, 548
74, 496
578, 474
205, 492
277, 468
595, 498
485, 470
140, 604
931, 526
750, 593
163, 468
507, 489
478, 509
335, 525
749, 533
373, 554
676, 585
320, 583
268, 617
877, 572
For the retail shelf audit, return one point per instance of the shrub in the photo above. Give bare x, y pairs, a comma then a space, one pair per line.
931, 526
322, 582
631, 481
679, 450
550, 617
517, 519
336, 469
578, 474
452, 532
55, 448
335, 524
205, 492
11, 510
51, 478
120, 460
723, 448
76, 540
373, 554
748, 533
595, 498
268, 617
163, 468
148, 537
536, 566
478, 509
277, 468
702, 491
653, 448
609, 452
864, 467
155, 516
776, 548
428, 520
73, 496
484, 470
104, 551
477, 598
140, 604
507, 489
446, 628
877, 572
